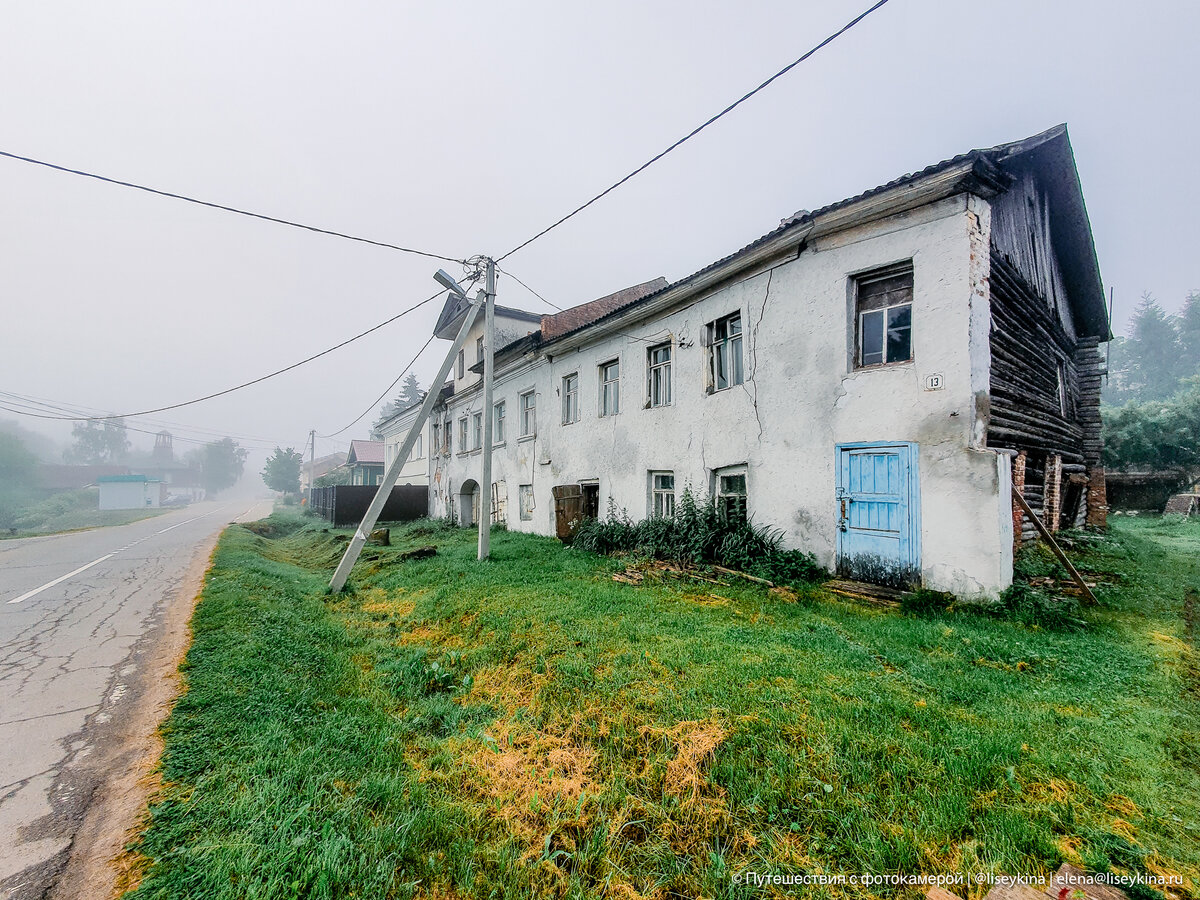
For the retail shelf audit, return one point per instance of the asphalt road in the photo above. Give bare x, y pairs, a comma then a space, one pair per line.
79, 616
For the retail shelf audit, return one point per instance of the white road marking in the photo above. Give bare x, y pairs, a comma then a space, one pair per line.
95, 562
61, 579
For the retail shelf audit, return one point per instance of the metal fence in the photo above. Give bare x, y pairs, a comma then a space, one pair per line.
345, 504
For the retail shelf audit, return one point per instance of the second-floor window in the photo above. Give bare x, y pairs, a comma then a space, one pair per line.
725, 352
462, 435
477, 431
418, 450
437, 439
610, 388
528, 414
658, 375
462, 363
478, 349
498, 423
883, 313
570, 398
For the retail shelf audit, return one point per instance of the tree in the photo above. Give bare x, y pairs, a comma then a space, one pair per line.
1189, 331
282, 472
221, 465
1156, 436
18, 474
340, 475
97, 444
410, 393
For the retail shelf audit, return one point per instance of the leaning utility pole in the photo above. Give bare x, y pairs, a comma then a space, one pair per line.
485, 487
393, 471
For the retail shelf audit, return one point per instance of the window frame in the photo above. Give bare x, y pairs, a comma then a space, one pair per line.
874, 276
723, 496
570, 398
665, 509
418, 450
658, 374
498, 415
462, 363
477, 430
462, 434
720, 345
479, 349
528, 413
610, 388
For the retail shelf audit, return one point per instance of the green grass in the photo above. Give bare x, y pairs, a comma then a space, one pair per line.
528, 727
72, 511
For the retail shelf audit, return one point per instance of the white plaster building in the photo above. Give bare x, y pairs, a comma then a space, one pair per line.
394, 429
835, 378
130, 492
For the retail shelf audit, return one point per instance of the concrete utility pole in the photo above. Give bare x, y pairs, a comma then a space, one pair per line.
312, 463
393, 471
485, 488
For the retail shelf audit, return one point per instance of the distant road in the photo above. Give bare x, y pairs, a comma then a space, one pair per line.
84, 617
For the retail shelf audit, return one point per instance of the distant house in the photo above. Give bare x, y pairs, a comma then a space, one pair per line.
365, 462
53, 478
319, 467
394, 429
130, 492
874, 378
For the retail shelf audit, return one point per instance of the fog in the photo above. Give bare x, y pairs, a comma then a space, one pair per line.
465, 128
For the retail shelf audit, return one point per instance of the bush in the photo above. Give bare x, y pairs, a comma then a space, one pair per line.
1031, 606
700, 532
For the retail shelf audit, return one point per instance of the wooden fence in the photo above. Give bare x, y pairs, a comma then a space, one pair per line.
344, 504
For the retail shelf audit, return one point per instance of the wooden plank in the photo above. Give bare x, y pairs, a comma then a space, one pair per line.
1058, 551
1014, 891
1069, 879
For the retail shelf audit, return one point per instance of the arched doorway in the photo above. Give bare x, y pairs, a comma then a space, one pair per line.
468, 503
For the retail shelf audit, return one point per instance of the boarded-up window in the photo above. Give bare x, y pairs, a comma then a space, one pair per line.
883, 313
525, 497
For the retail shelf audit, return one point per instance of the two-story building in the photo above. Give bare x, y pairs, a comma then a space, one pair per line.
870, 378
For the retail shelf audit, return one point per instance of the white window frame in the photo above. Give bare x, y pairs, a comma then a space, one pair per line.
721, 492
528, 412
418, 450
462, 434
498, 411
570, 398
662, 496
525, 509
724, 349
477, 431
479, 349
610, 387
658, 375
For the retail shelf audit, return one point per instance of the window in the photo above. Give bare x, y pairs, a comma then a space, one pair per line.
437, 438
1066, 398
658, 375
662, 494
447, 434
725, 352
528, 414
478, 349
610, 388
498, 423
570, 398
476, 431
525, 499
462, 435
462, 363
731, 492
883, 311
418, 450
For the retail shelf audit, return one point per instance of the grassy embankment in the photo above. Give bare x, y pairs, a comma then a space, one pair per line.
528, 727
71, 511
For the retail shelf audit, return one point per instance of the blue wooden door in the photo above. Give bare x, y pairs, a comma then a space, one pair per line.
878, 513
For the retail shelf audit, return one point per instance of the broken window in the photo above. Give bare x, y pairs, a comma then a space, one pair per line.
731, 492
525, 498
528, 414
570, 398
610, 388
662, 494
498, 423
883, 311
462, 435
724, 338
658, 375
476, 431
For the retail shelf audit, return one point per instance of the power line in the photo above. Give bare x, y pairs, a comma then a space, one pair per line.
696, 130
231, 209
246, 384
386, 391
403, 372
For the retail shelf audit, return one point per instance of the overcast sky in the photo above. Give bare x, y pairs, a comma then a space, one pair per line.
465, 128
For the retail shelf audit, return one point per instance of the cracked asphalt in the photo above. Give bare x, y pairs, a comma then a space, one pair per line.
71, 650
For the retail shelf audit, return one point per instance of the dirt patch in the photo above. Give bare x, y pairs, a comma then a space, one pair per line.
98, 865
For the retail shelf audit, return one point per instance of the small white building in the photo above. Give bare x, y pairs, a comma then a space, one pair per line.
130, 492
868, 378
394, 429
